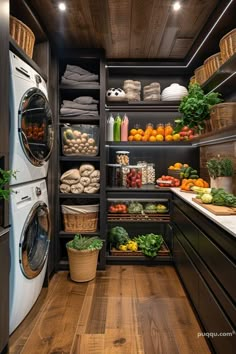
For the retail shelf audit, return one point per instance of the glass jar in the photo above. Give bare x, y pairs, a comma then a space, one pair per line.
122, 157
143, 165
114, 175
151, 177
168, 129
160, 129
131, 176
149, 126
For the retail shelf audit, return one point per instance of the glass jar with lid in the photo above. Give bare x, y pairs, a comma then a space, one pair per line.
168, 129
160, 129
131, 176
122, 157
143, 165
151, 177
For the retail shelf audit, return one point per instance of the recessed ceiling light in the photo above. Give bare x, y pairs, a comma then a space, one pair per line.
62, 6
176, 6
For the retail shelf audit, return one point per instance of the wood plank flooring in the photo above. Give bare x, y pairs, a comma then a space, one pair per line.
125, 310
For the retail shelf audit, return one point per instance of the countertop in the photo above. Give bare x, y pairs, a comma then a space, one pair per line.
227, 223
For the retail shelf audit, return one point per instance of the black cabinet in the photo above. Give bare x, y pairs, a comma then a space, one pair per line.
204, 257
4, 288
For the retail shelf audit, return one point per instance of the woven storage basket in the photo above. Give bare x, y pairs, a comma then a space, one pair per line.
192, 80
83, 264
212, 64
174, 173
200, 75
228, 45
223, 115
80, 218
23, 35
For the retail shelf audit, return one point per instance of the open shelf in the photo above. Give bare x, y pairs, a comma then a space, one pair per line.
224, 135
80, 88
79, 158
157, 106
74, 119
79, 196
161, 217
224, 79
145, 188
70, 235
147, 143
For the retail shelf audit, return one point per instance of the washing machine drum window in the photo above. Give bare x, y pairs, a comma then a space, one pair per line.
35, 126
34, 242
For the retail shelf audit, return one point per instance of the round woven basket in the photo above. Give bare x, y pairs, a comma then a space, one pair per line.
200, 75
83, 264
228, 45
23, 35
212, 64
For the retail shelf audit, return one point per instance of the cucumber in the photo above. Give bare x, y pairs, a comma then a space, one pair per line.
194, 172
193, 177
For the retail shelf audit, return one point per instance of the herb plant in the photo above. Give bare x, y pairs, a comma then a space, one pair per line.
219, 167
5, 177
149, 244
195, 108
85, 243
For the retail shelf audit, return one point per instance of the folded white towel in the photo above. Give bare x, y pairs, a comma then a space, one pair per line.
73, 83
69, 75
74, 105
76, 112
85, 100
77, 69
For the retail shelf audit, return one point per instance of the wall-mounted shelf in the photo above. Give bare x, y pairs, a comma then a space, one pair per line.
79, 196
146, 143
224, 79
20, 53
157, 106
79, 158
227, 134
79, 119
70, 235
80, 88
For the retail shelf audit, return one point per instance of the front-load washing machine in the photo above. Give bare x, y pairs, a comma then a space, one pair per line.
29, 245
31, 123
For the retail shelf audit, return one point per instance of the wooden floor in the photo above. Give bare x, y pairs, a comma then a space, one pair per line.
125, 310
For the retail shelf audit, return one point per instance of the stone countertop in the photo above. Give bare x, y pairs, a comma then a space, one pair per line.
228, 222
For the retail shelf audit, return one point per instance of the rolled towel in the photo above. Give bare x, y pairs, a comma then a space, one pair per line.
64, 188
71, 176
77, 188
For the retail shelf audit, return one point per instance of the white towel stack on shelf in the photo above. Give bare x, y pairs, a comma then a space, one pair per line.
152, 92
75, 76
80, 106
132, 90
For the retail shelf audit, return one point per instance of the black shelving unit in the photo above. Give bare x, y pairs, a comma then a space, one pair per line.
92, 60
157, 106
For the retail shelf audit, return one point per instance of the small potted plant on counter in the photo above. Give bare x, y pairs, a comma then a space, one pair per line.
221, 173
83, 256
195, 108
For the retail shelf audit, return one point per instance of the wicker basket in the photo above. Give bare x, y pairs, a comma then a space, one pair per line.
223, 115
228, 45
23, 35
212, 64
174, 173
192, 80
83, 264
200, 75
80, 218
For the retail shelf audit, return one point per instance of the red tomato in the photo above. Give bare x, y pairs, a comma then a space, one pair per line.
185, 128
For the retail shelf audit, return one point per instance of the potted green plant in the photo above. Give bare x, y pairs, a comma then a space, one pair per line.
5, 177
83, 256
195, 108
221, 173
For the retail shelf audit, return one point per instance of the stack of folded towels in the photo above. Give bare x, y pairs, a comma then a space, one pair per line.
75, 76
80, 106
152, 92
132, 90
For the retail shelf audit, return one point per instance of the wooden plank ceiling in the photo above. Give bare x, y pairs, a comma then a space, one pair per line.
126, 28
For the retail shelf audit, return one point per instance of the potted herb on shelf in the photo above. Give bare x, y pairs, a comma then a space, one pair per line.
83, 256
221, 173
195, 108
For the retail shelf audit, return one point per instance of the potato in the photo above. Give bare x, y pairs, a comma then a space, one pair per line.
72, 141
82, 145
84, 140
84, 135
76, 145
91, 141
86, 144
77, 133
71, 144
67, 141
73, 149
78, 141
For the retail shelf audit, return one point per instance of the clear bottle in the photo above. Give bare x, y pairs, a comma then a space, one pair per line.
124, 128
117, 125
110, 128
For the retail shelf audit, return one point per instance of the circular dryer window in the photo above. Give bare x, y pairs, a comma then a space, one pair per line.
34, 243
35, 126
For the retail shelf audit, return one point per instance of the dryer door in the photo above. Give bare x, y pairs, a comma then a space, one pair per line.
34, 242
35, 126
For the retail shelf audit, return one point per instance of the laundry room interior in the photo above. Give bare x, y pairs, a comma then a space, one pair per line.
117, 176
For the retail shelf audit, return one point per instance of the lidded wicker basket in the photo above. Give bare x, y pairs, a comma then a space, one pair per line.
223, 115
23, 35
228, 45
212, 64
200, 75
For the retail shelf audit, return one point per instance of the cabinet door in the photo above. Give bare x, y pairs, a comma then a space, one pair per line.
185, 267
4, 286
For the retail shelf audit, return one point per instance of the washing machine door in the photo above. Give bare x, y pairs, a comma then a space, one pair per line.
34, 242
36, 126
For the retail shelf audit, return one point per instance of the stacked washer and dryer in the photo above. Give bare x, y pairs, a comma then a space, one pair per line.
31, 141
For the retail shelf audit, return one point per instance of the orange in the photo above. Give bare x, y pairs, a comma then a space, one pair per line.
154, 132
148, 131
169, 138
171, 167
185, 165
152, 138
178, 165
145, 138
137, 137
133, 131
130, 138
176, 137
159, 137
140, 131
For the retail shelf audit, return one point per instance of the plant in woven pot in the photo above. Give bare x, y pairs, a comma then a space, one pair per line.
195, 108
221, 173
83, 256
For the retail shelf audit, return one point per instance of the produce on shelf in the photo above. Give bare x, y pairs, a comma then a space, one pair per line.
161, 208
178, 166
130, 246
118, 236
168, 181
150, 208
187, 184
118, 208
149, 244
132, 176
135, 208
188, 172
80, 140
